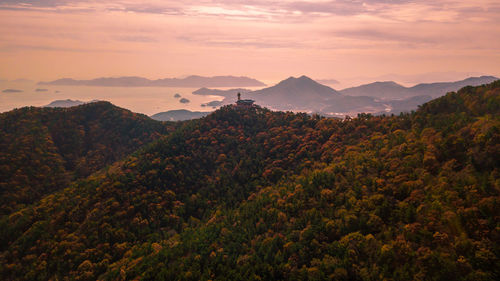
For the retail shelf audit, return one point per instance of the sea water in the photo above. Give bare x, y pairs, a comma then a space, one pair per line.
146, 100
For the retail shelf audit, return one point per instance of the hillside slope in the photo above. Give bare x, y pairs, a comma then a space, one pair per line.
43, 149
254, 194
405, 198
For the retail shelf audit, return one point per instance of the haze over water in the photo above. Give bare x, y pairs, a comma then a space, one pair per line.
146, 100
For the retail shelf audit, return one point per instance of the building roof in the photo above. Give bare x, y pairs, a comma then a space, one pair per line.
245, 101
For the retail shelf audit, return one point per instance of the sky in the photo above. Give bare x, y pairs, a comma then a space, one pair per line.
267, 40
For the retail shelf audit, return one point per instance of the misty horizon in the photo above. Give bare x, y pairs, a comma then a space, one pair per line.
301, 94
407, 80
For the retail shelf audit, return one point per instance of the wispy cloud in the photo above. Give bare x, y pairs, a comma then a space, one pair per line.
386, 36
292, 10
23, 48
239, 42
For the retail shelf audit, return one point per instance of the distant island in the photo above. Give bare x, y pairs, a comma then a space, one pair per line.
12, 91
66, 103
213, 104
178, 115
193, 81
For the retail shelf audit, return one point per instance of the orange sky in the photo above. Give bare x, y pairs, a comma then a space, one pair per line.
267, 40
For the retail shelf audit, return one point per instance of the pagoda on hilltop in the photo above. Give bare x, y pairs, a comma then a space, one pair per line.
244, 103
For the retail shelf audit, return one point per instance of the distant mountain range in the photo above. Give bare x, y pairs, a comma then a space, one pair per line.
193, 81
178, 115
305, 94
392, 90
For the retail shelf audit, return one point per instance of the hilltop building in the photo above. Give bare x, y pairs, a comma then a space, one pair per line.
244, 103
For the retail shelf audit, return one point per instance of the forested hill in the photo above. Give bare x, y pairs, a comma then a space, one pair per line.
43, 149
251, 194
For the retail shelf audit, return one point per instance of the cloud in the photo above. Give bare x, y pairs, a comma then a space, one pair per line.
37, 3
234, 41
20, 48
135, 38
331, 8
285, 10
150, 7
384, 35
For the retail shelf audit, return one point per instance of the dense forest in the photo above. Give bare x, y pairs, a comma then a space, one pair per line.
97, 192
44, 149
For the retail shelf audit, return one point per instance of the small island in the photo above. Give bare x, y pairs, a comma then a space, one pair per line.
12, 91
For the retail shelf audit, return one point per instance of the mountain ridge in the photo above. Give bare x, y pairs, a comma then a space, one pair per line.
301, 93
393, 90
187, 82
305, 94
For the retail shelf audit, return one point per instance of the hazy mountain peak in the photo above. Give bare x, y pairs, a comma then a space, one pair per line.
300, 78
392, 90
301, 81
482, 77
289, 79
295, 93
